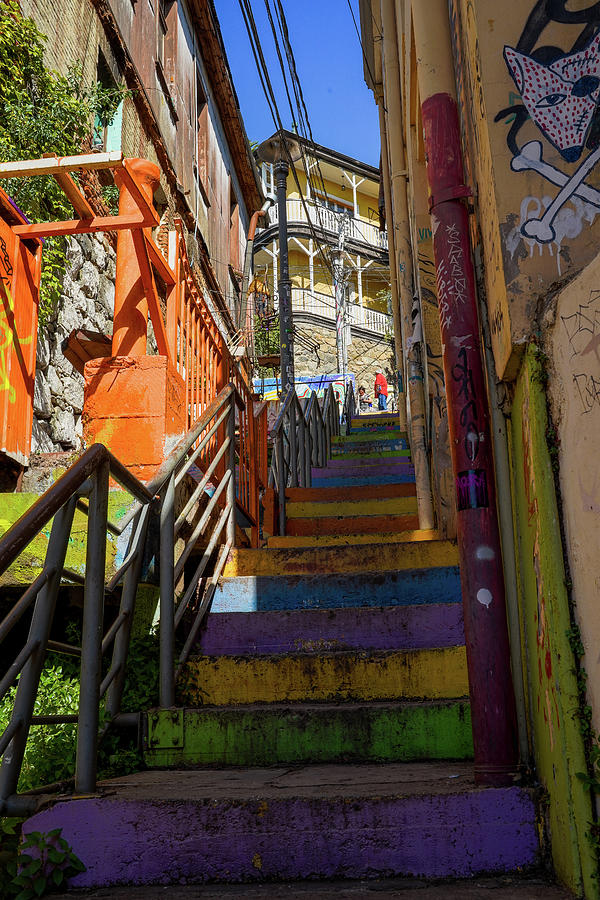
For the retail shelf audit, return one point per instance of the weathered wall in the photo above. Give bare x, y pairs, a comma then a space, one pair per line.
528, 129
572, 345
545, 620
87, 301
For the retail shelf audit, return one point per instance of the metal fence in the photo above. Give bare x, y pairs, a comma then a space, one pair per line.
85, 487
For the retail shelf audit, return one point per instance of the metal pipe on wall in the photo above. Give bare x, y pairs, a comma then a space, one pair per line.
404, 268
389, 218
493, 709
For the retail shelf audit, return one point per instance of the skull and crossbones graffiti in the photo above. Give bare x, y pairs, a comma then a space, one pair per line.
560, 93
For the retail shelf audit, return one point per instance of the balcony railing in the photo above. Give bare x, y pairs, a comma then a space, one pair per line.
330, 221
324, 305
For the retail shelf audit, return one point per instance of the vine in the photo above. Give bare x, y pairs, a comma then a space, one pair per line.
43, 112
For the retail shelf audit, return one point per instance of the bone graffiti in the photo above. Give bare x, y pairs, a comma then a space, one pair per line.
560, 90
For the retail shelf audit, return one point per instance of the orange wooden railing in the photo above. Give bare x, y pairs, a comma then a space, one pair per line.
199, 352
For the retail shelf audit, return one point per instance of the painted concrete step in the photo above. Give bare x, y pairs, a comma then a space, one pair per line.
439, 673
353, 524
267, 824
382, 419
314, 630
308, 733
360, 492
383, 557
350, 540
375, 446
378, 506
389, 461
257, 593
359, 479
369, 437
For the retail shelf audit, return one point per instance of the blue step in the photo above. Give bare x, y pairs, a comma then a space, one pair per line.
250, 593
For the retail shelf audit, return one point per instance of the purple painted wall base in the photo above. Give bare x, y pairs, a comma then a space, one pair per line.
235, 840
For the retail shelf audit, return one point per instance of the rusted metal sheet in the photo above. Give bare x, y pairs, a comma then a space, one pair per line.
20, 263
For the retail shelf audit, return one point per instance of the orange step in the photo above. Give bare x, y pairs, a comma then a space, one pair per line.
351, 525
358, 492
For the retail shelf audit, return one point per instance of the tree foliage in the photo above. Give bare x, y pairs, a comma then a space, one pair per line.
43, 112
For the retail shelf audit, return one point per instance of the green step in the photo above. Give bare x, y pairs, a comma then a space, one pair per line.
260, 735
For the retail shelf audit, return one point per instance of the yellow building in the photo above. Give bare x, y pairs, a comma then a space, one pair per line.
333, 234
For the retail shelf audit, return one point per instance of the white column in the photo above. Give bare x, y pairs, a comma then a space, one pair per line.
359, 279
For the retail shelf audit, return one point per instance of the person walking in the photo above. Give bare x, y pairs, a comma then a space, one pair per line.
381, 389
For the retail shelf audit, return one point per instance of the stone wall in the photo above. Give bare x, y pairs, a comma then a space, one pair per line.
87, 301
365, 354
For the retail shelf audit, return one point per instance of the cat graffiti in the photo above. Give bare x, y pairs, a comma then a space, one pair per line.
560, 92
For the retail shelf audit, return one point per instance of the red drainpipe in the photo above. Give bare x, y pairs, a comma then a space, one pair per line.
488, 656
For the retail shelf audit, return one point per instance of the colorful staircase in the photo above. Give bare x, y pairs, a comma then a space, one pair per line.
324, 728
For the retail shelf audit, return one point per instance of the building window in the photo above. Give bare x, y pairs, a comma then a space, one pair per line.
333, 203
201, 168
108, 124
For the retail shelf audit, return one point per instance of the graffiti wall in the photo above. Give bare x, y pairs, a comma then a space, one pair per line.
270, 388
545, 621
532, 78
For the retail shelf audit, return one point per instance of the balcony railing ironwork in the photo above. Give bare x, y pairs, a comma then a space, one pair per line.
324, 305
328, 220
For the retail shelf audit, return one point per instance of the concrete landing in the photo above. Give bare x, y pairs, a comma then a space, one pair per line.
317, 822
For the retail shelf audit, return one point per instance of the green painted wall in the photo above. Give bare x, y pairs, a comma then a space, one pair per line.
27, 567
558, 746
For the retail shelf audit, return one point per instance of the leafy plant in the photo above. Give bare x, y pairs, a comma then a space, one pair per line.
44, 863
50, 750
43, 112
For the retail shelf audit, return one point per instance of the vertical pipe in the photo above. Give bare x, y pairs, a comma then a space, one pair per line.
403, 252
167, 595
91, 640
281, 480
131, 306
394, 283
486, 635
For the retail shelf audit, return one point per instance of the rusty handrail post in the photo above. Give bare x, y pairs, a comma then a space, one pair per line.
167, 594
91, 640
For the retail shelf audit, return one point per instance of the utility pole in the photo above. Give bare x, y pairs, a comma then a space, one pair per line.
340, 275
280, 151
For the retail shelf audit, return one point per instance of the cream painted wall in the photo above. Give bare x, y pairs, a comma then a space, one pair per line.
573, 346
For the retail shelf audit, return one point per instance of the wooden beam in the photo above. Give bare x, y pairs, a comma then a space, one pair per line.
74, 195
56, 164
81, 226
145, 206
160, 332
158, 260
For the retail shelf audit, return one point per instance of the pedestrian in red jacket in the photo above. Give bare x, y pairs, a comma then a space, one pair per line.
381, 389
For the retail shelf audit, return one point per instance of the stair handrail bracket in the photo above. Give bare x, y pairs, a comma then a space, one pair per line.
302, 439
206, 456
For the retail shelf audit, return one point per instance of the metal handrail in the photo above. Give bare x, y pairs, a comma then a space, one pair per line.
349, 410
302, 438
89, 477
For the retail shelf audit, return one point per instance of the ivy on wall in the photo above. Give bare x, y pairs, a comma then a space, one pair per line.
43, 112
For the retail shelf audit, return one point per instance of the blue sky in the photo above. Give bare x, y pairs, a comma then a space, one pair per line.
341, 109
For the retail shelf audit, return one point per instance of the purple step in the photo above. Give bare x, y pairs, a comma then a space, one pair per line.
384, 462
424, 820
315, 630
349, 469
